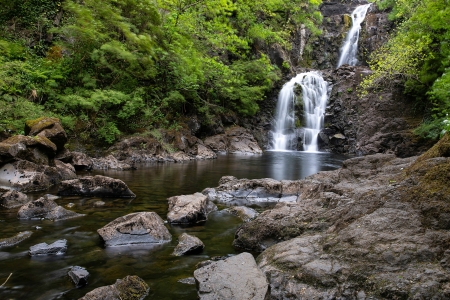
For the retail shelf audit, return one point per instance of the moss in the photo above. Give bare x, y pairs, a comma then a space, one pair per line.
132, 288
43, 123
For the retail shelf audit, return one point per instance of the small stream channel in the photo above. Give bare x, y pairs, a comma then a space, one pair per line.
46, 277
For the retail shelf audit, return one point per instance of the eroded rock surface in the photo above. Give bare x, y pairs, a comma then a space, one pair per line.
375, 229
235, 278
135, 228
13, 199
95, 186
188, 244
128, 288
189, 209
236, 140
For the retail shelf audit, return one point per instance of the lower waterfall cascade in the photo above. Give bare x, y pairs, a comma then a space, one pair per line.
315, 97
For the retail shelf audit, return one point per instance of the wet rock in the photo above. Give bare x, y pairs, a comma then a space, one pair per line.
235, 140
34, 149
11, 241
56, 248
110, 163
135, 228
95, 186
188, 244
65, 171
79, 276
46, 208
245, 213
237, 277
13, 199
189, 280
81, 161
49, 128
233, 191
128, 288
189, 209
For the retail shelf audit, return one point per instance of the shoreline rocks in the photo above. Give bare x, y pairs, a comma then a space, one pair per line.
135, 228
128, 288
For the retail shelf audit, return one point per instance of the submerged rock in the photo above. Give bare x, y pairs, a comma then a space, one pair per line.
79, 276
13, 199
188, 244
46, 208
245, 213
11, 241
57, 248
189, 209
128, 288
237, 277
189, 280
95, 186
135, 228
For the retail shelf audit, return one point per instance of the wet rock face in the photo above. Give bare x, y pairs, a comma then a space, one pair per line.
188, 244
135, 228
11, 241
57, 248
13, 199
376, 228
235, 140
46, 208
95, 186
189, 209
237, 277
128, 288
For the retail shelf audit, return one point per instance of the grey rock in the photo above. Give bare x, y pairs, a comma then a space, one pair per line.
130, 287
81, 161
135, 228
79, 276
95, 186
46, 208
56, 248
49, 128
11, 241
189, 209
235, 140
13, 199
189, 280
110, 163
188, 244
237, 277
245, 213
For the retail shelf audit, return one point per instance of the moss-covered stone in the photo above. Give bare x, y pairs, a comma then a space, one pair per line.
39, 124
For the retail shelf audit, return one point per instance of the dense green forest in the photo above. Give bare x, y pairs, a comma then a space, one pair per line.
112, 67
417, 57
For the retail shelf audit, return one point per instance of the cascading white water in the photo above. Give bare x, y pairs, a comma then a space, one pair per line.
314, 93
350, 47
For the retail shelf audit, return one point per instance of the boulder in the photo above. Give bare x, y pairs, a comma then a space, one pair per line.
128, 288
49, 128
237, 277
95, 186
233, 191
135, 228
188, 244
189, 209
235, 140
45, 208
245, 213
34, 149
79, 276
13, 199
11, 241
56, 248
26, 176
81, 161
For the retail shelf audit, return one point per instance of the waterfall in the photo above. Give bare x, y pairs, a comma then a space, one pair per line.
314, 96
350, 47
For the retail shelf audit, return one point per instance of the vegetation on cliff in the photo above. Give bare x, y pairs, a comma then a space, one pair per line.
123, 66
417, 57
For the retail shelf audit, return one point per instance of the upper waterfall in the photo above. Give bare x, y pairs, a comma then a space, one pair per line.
314, 96
350, 47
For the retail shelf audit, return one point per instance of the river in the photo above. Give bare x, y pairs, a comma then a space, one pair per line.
46, 277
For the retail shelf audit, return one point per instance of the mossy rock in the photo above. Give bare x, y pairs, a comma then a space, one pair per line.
132, 288
440, 149
37, 125
47, 127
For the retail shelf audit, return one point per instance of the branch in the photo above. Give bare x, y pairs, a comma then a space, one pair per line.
6, 280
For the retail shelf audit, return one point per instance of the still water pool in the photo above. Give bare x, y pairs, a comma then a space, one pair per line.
46, 277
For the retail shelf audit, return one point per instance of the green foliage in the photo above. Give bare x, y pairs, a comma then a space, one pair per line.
416, 58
